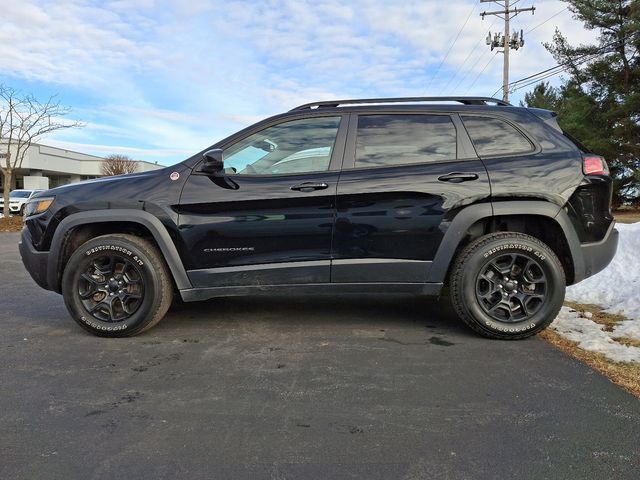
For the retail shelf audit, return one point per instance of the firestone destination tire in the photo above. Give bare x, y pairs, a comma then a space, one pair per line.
507, 285
117, 286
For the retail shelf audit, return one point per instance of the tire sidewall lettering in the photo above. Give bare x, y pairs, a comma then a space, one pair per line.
514, 246
114, 248
104, 328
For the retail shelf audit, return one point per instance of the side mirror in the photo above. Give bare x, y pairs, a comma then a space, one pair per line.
213, 161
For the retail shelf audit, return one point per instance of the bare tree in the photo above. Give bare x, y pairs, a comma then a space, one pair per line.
116, 164
23, 120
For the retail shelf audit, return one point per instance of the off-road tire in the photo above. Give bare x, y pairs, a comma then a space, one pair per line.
467, 284
144, 274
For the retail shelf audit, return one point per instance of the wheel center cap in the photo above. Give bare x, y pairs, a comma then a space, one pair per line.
113, 285
510, 285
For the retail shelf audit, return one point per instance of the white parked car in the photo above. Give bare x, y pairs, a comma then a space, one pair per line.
17, 200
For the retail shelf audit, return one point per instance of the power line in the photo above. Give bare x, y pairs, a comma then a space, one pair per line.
566, 65
481, 72
552, 16
465, 62
550, 74
558, 69
452, 45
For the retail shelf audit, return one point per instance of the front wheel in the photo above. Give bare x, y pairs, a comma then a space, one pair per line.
117, 285
507, 285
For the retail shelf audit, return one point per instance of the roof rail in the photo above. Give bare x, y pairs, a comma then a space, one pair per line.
358, 101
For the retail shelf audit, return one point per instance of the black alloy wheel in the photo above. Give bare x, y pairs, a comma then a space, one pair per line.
511, 287
117, 285
111, 288
507, 285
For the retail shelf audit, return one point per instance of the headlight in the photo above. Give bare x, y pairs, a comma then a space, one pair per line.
37, 205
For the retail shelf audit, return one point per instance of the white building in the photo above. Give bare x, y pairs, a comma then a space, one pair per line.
46, 167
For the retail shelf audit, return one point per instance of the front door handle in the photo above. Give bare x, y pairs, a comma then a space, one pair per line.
457, 177
309, 187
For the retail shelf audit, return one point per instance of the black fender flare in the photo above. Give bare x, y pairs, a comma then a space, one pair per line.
458, 227
147, 220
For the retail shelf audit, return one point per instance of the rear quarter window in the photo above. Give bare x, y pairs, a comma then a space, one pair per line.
494, 137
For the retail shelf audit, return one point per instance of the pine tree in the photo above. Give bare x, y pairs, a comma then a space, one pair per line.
599, 102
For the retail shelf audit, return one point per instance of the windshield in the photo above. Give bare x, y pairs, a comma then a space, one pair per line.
20, 194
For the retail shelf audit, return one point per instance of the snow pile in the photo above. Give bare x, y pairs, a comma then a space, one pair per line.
617, 290
617, 287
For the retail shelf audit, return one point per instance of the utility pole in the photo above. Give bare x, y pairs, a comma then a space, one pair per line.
506, 41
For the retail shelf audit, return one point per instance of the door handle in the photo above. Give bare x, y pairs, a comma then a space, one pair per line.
457, 177
309, 187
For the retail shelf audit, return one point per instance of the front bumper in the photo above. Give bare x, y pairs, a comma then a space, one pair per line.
596, 256
13, 207
34, 261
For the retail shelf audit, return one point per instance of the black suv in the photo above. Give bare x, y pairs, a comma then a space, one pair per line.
490, 201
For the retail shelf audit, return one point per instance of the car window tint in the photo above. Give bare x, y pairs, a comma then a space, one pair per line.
298, 146
401, 139
491, 136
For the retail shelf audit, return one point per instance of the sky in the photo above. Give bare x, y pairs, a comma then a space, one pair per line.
162, 80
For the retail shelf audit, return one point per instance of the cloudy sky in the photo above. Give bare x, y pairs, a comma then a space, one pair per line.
160, 80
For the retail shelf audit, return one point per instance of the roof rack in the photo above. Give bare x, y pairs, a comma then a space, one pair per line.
359, 101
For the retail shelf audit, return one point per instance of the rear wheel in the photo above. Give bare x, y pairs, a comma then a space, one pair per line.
117, 286
507, 285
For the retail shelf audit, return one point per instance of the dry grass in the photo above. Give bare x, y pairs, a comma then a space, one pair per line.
609, 320
629, 342
11, 224
627, 375
627, 215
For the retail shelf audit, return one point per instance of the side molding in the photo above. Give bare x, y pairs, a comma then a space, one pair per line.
141, 217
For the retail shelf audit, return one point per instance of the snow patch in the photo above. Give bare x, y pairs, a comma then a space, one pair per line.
616, 289
590, 335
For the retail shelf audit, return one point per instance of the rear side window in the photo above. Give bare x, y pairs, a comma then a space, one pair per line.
384, 140
491, 136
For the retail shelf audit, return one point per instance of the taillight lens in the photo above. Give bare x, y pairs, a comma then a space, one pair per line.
594, 165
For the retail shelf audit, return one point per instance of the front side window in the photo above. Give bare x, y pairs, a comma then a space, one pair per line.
492, 136
298, 146
384, 140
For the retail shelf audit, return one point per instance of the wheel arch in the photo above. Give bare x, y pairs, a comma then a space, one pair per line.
544, 220
80, 227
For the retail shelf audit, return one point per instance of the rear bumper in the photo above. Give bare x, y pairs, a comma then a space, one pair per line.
596, 256
34, 261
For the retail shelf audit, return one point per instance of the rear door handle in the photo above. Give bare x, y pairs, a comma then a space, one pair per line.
309, 187
457, 177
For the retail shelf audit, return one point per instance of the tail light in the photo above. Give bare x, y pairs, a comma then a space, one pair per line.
594, 165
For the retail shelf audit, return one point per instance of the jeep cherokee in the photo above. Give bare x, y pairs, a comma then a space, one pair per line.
493, 202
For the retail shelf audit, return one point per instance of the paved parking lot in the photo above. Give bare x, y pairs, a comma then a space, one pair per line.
278, 388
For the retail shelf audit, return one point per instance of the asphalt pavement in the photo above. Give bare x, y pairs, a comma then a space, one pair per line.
324, 387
